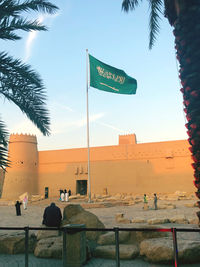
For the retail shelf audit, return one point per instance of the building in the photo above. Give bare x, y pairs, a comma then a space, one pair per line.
162, 167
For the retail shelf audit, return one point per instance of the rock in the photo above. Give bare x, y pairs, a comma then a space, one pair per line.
158, 221
49, 248
193, 221
189, 205
36, 198
160, 250
15, 243
111, 199
139, 236
108, 252
125, 221
138, 220
128, 198
138, 201
118, 196
131, 203
75, 214
71, 210
109, 238
42, 234
180, 194
119, 217
178, 219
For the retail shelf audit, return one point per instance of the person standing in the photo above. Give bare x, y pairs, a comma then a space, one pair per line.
25, 202
69, 191
145, 202
60, 193
66, 196
18, 208
62, 196
155, 201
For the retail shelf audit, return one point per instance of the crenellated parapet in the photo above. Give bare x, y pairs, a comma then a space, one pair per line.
25, 138
127, 139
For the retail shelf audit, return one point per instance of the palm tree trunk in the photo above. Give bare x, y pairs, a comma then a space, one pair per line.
187, 40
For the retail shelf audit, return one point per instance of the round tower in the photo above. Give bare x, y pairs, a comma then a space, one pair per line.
22, 174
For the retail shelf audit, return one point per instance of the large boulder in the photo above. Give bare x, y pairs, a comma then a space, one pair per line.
139, 236
126, 252
75, 214
71, 210
43, 234
49, 248
15, 243
160, 250
109, 238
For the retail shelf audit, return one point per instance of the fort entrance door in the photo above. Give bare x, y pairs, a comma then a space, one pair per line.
81, 187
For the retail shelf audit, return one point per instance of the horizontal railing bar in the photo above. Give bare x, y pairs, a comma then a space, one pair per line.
76, 229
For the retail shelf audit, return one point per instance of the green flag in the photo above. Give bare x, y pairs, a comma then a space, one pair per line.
110, 79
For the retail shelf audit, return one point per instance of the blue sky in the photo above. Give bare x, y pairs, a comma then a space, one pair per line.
154, 114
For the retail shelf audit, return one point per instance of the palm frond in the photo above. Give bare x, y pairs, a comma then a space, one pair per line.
3, 134
7, 27
14, 7
24, 87
155, 10
4, 161
5, 35
129, 4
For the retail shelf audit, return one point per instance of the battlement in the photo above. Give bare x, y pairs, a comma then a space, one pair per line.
127, 139
25, 138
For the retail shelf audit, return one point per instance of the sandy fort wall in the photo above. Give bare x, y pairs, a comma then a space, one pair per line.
22, 175
162, 167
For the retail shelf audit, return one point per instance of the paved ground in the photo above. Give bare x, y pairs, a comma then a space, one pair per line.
18, 261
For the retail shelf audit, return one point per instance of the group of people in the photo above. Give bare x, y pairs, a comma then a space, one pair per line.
155, 200
64, 195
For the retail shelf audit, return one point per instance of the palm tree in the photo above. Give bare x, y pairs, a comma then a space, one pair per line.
18, 82
184, 17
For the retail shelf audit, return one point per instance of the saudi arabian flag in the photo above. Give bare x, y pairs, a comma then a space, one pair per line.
110, 79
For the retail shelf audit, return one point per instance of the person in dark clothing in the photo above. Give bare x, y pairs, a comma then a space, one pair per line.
52, 216
155, 200
61, 191
69, 192
18, 208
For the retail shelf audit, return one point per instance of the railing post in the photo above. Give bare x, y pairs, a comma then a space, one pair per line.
26, 229
175, 247
117, 246
64, 254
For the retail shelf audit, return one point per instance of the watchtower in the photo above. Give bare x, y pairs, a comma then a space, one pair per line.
22, 175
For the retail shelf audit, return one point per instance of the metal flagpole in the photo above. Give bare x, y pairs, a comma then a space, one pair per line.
88, 139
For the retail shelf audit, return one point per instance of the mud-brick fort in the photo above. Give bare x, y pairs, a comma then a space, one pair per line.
161, 167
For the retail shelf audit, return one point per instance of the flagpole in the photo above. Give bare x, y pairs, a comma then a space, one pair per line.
88, 139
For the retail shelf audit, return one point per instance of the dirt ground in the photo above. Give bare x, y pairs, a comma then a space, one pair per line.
33, 215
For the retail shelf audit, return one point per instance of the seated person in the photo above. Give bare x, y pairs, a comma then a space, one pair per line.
52, 216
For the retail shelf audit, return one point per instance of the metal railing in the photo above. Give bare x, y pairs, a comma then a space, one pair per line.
116, 230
